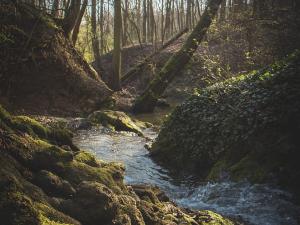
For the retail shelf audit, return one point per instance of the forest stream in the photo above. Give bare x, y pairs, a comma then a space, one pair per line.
256, 204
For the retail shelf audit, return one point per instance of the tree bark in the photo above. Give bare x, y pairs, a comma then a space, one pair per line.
147, 101
71, 14
78, 22
188, 14
144, 21
102, 27
125, 24
54, 8
115, 80
95, 40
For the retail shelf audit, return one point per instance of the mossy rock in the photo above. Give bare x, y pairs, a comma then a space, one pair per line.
53, 185
210, 218
88, 158
119, 120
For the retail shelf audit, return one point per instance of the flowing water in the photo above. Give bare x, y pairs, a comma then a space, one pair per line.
255, 204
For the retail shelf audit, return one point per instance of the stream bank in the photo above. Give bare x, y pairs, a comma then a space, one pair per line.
47, 180
256, 204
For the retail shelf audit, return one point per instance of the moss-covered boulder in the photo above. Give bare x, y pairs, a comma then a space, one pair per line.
40, 70
43, 183
120, 121
245, 127
53, 185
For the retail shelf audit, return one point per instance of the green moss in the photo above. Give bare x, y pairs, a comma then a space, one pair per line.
46, 221
5, 39
248, 167
75, 172
50, 216
17, 208
28, 125
217, 169
87, 158
4, 115
31, 126
210, 218
119, 120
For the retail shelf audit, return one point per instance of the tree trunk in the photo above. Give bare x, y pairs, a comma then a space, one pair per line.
115, 81
222, 16
125, 24
71, 15
188, 14
95, 41
78, 22
54, 8
162, 22
102, 27
147, 101
144, 21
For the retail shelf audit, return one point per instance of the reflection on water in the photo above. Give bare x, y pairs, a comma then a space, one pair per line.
257, 204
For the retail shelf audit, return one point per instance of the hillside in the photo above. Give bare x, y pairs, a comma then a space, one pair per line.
41, 72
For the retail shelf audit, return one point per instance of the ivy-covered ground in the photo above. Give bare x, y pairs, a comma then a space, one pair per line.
245, 127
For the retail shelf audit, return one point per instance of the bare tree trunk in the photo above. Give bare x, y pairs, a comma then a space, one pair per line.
168, 20
188, 14
71, 14
162, 22
147, 101
152, 21
78, 22
222, 16
144, 21
95, 41
115, 81
125, 24
102, 27
54, 8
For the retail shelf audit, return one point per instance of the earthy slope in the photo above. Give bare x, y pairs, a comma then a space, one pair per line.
45, 179
40, 70
245, 127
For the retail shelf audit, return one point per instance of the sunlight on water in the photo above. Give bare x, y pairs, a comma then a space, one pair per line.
256, 204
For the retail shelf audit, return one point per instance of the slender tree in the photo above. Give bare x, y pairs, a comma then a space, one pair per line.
70, 18
115, 80
188, 19
102, 27
78, 21
95, 40
55, 6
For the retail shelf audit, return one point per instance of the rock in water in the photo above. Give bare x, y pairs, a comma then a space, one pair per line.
118, 120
